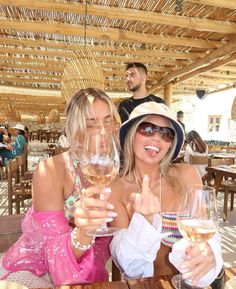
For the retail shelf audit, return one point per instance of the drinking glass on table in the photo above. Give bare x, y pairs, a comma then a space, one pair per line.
100, 164
197, 221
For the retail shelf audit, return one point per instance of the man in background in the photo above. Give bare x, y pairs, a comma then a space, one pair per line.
136, 77
180, 117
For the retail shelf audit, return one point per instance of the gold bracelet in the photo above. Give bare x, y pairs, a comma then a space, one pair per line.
77, 244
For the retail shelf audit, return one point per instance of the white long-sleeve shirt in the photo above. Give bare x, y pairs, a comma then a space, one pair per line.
134, 250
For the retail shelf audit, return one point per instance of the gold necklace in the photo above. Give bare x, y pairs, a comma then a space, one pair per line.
139, 187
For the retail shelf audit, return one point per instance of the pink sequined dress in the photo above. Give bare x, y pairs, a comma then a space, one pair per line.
45, 248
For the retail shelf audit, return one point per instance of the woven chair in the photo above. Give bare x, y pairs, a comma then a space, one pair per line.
199, 160
229, 187
218, 162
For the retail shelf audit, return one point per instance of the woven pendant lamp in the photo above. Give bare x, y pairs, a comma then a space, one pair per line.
9, 113
54, 116
81, 72
41, 119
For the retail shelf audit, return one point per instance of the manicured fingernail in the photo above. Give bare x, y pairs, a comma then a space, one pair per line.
110, 206
108, 220
106, 190
187, 275
112, 214
102, 197
146, 177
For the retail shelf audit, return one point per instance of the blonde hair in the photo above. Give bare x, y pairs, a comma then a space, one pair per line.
79, 107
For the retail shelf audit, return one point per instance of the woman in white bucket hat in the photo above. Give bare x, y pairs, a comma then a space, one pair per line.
151, 139
13, 150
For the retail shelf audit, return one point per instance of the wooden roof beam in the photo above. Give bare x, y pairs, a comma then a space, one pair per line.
208, 68
131, 14
99, 48
213, 56
62, 62
230, 4
105, 33
24, 98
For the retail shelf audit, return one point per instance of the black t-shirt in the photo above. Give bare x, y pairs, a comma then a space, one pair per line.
182, 124
127, 105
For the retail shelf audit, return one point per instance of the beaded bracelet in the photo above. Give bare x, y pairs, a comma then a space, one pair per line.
77, 244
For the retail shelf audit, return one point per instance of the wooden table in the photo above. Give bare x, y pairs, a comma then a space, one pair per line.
220, 172
161, 282
9, 230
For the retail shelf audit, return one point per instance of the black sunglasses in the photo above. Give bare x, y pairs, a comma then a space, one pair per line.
149, 129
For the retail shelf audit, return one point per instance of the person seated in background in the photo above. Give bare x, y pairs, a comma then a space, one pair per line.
196, 147
13, 150
146, 198
54, 248
5, 137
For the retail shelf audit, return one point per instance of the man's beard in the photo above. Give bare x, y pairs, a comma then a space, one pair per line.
134, 88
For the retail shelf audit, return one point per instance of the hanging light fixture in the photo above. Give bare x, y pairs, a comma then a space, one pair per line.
54, 116
41, 119
8, 113
82, 70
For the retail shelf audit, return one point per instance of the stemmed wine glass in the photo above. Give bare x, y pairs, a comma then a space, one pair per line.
100, 164
197, 221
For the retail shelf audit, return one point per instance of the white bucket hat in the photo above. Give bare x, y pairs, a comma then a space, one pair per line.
153, 108
19, 126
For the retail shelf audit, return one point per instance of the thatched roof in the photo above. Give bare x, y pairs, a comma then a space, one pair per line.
191, 44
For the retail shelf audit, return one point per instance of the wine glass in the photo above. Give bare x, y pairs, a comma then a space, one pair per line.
197, 221
100, 164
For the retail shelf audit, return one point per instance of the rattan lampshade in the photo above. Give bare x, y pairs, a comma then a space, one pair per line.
80, 72
233, 109
53, 116
41, 119
9, 113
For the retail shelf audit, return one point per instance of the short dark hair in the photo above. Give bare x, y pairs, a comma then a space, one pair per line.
180, 112
136, 65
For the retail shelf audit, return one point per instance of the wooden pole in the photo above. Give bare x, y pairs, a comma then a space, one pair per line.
168, 93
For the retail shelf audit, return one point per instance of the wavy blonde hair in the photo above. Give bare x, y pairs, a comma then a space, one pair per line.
79, 107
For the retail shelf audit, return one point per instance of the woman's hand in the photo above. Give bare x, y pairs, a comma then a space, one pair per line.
91, 210
145, 203
9, 147
199, 261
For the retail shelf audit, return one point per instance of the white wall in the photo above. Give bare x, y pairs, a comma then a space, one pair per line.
197, 112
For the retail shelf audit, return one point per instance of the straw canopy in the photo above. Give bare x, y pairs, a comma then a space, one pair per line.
186, 45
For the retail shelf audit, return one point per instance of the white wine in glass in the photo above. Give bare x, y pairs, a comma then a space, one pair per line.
197, 221
100, 165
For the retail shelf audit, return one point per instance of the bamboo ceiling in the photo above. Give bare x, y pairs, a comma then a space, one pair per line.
191, 44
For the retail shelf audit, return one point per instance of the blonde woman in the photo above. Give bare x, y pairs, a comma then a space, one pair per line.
50, 252
146, 198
